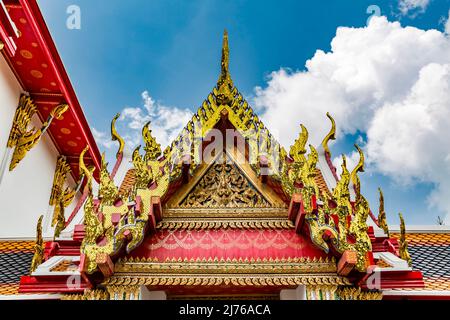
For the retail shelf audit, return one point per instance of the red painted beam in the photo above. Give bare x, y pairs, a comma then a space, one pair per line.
53, 284
7, 31
37, 23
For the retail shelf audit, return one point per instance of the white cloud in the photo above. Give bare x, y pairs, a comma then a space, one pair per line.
166, 123
387, 81
413, 7
102, 139
447, 24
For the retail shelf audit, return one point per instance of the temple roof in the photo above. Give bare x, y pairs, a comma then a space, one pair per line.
430, 253
15, 261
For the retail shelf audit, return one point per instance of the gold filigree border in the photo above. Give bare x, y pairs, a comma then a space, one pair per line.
235, 213
235, 266
278, 280
200, 224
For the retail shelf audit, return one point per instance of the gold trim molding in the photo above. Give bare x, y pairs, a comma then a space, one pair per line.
235, 213
226, 279
352, 293
201, 224
222, 266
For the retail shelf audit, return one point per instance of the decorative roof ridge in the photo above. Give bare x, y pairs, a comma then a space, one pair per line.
421, 229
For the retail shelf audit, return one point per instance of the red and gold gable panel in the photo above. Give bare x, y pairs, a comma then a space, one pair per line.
227, 244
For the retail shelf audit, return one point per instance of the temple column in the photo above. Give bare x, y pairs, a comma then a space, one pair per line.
321, 292
131, 292
293, 294
146, 294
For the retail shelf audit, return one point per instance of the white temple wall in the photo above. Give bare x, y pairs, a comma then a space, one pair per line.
24, 192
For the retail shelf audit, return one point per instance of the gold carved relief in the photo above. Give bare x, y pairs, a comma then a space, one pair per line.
21, 138
224, 185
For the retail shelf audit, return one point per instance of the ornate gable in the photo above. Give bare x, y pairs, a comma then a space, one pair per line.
224, 186
210, 221
225, 183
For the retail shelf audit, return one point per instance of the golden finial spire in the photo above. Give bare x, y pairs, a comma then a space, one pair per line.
225, 64
225, 84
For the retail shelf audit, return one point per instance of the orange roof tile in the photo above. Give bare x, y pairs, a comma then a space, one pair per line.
16, 246
15, 261
127, 182
426, 238
320, 181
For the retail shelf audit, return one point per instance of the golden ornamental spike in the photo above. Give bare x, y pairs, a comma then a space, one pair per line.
298, 150
38, 256
382, 223
225, 84
403, 248
342, 193
87, 172
225, 62
354, 175
152, 148
116, 137
330, 136
108, 192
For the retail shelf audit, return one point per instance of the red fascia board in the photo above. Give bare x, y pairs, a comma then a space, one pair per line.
34, 15
7, 31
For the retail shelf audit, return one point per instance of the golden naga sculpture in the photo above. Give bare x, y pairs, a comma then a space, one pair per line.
152, 180
350, 230
152, 148
143, 174
354, 175
60, 197
116, 137
93, 226
358, 228
403, 249
86, 172
382, 222
330, 136
317, 231
291, 169
20, 138
108, 192
38, 256
307, 176
342, 193
298, 150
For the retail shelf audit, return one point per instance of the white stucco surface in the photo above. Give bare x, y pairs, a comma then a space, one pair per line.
24, 192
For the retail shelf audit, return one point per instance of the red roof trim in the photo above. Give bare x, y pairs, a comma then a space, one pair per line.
8, 31
34, 15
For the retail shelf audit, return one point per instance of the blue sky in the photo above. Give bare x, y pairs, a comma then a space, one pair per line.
171, 49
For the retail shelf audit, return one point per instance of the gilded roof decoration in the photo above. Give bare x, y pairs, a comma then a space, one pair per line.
220, 189
224, 185
228, 279
201, 224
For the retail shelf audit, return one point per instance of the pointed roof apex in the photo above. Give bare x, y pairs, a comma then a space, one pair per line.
225, 84
225, 55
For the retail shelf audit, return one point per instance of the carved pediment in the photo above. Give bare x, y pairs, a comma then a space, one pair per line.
224, 186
